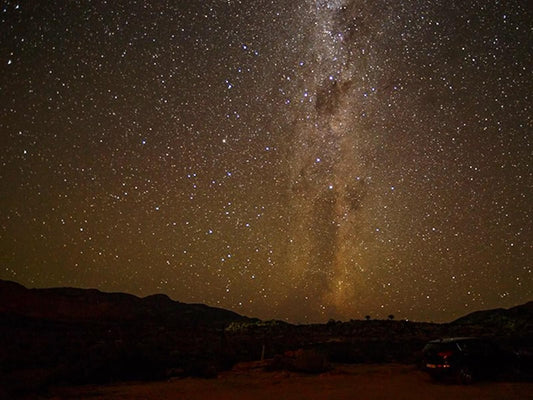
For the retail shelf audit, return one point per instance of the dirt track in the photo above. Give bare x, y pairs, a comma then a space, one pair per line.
354, 382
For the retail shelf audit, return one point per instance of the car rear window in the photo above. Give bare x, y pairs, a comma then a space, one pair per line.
434, 347
474, 346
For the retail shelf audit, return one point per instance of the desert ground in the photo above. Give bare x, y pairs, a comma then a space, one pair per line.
251, 381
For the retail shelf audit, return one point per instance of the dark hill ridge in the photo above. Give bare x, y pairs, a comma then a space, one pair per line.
517, 318
71, 304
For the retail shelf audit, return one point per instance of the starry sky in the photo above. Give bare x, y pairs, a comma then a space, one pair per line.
291, 159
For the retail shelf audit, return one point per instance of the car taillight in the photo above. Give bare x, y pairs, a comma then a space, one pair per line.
445, 354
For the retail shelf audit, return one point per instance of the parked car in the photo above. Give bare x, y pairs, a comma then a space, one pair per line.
464, 359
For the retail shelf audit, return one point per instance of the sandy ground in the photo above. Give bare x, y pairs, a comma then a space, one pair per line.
354, 382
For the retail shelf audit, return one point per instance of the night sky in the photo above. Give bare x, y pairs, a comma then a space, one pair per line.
288, 159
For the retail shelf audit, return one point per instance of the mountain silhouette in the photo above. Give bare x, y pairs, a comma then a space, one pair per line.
72, 304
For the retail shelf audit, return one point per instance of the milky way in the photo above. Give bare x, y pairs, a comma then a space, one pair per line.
299, 160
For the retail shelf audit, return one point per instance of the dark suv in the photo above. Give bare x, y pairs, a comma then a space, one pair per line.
464, 359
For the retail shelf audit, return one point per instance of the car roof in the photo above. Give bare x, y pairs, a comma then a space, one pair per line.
453, 339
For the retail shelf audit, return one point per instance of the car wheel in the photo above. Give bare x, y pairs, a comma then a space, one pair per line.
464, 376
